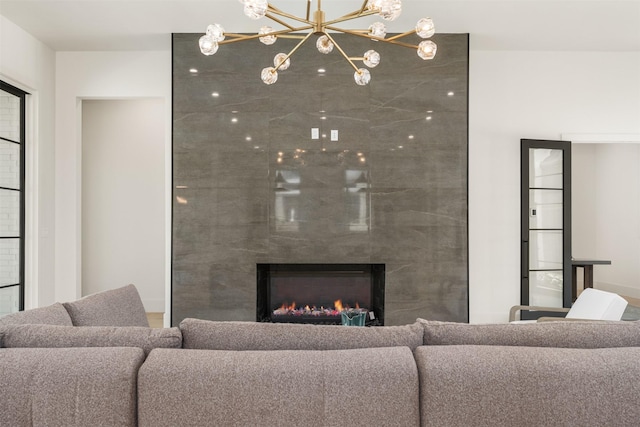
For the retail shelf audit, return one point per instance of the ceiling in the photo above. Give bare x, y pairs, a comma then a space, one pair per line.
547, 25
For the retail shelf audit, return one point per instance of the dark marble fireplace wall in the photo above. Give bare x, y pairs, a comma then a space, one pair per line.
251, 186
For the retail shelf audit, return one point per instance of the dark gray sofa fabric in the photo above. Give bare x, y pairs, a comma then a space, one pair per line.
528, 386
569, 334
69, 386
115, 307
212, 335
54, 314
375, 386
90, 336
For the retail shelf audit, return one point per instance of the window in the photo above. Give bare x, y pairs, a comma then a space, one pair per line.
12, 198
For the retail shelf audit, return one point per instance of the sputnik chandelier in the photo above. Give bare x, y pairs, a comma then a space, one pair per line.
318, 25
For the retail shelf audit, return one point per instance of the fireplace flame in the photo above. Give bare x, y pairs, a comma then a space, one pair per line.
287, 309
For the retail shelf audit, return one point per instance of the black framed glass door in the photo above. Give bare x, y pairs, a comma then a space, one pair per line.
545, 225
12, 198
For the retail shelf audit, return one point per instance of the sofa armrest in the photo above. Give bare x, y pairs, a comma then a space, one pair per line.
517, 308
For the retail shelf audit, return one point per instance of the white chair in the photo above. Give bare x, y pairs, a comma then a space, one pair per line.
591, 304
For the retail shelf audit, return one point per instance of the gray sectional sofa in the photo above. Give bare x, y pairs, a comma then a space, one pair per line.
79, 364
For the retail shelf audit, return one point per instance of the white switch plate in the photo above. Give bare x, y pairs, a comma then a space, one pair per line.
315, 133
334, 134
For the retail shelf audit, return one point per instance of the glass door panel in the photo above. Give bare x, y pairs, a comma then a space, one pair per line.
545, 209
545, 170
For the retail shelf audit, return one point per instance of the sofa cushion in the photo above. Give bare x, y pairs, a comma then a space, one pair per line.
90, 336
69, 386
54, 314
212, 335
568, 334
115, 307
363, 387
528, 386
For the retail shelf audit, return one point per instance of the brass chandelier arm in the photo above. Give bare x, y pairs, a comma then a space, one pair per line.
399, 36
293, 50
342, 52
364, 5
348, 17
279, 21
367, 36
288, 15
232, 38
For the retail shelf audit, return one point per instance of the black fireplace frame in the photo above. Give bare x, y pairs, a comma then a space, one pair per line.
377, 292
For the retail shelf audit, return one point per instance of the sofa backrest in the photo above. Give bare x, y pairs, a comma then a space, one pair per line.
568, 334
54, 314
213, 335
363, 387
528, 386
69, 386
53, 336
116, 307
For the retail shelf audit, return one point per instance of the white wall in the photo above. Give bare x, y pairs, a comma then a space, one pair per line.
100, 75
30, 65
123, 221
543, 95
607, 214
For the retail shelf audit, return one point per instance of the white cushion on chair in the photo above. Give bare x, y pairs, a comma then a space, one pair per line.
594, 304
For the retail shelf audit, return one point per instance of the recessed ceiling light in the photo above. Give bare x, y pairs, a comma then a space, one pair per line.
215, 94
428, 118
450, 94
234, 120
193, 70
429, 111
411, 137
321, 70
323, 118
400, 147
248, 138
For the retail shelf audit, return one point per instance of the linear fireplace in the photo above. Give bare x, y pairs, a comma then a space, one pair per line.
317, 293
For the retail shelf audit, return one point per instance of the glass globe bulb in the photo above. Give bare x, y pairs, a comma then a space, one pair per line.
216, 32
390, 9
282, 58
425, 28
269, 75
371, 58
374, 5
255, 9
378, 29
427, 49
208, 46
362, 77
324, 45
268, 40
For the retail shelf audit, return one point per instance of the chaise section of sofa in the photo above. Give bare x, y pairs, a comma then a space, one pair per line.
69, 386
484, 385
375, 386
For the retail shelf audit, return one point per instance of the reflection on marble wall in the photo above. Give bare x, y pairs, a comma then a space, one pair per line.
252, 184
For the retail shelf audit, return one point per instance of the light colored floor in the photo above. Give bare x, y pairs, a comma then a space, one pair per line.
632, 301
155, 319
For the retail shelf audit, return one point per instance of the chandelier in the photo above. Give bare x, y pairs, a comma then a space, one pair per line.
320, 26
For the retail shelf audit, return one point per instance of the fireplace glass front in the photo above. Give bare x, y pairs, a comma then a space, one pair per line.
318, 293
